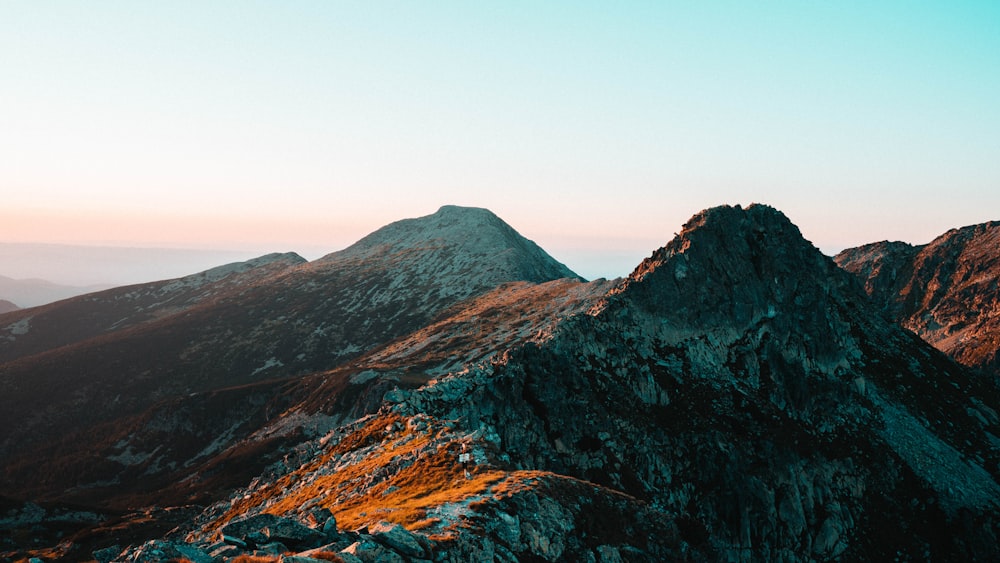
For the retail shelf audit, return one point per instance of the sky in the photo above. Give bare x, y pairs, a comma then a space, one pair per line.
595, 129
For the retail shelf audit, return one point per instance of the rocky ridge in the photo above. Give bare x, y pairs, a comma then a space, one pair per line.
946, 291
142, 386
738, 397
742, 384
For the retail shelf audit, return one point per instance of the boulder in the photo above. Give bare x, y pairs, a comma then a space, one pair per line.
272, 548
295, 535
246, 526
349, 557
260, 529
369, 551
397, 538
320, 519
156, 551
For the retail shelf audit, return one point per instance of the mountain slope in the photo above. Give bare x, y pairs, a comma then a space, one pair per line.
741, 382
7, 306
946, 291
738, 389
738, 397
134, 349
74, 320
738, 379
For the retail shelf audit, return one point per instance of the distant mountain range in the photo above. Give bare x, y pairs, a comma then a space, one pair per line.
34, 292
444, 390
43, 273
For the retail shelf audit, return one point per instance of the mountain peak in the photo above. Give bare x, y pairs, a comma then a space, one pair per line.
450, 222
461, 210
729, 268
719, 243
467, 239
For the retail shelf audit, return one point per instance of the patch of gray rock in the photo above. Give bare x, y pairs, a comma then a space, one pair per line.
316, 538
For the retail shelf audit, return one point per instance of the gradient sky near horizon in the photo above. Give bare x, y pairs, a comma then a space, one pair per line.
596, 129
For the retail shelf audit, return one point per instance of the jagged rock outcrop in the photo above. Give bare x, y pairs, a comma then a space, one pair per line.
948, 291
740, 381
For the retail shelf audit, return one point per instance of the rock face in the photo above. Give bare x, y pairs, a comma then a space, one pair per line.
741, 382
946, 291
738, 397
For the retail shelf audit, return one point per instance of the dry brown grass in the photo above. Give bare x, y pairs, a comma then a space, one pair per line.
367, 435
404, 498
378, 487
256, 559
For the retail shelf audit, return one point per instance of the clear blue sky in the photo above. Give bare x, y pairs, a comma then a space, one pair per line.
596, 129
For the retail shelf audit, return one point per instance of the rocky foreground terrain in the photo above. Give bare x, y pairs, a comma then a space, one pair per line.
738, 397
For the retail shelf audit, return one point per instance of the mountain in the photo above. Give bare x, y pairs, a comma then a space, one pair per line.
34, 292
946, 291
90, 266
136, 388
737, 397
738, 389
456, 242
7, 306
53, 326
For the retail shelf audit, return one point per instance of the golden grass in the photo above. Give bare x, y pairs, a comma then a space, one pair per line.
423, 476
256, 559
433, 478
405, 498
401, 480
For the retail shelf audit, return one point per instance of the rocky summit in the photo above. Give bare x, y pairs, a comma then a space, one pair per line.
947, 291
738, 397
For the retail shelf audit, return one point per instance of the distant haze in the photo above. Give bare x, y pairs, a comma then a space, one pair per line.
97, 265
86, 265
81, 265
